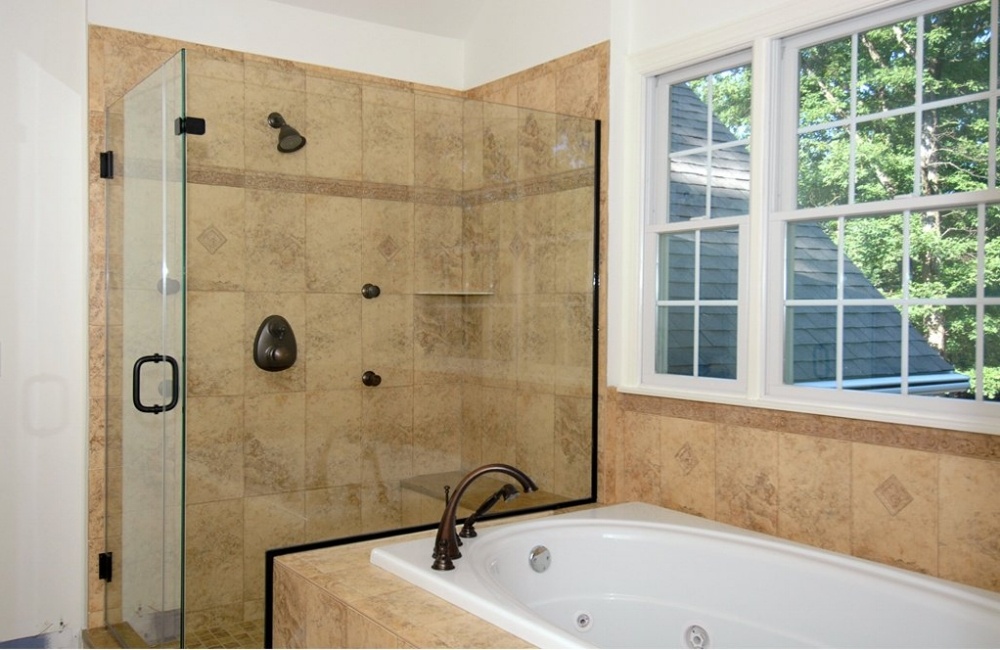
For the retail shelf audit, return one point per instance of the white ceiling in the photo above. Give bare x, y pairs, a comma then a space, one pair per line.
451, 18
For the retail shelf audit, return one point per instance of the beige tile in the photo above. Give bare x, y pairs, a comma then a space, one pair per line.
538, 141
270, 521
970, 521
500, 144
577, 89
214, 448
641, 457
538, 93
535, 418
333, 512
214, 554
362, 632
333, 244
747, 478
387, 245
333, 130
215, 344
387, 339
291, 598
687, 477
894, 503
814, 491
438, 248
216, 247
437, 420
275, 241
438, 142
332, 337
274, 447
573, 446
215, 94
388, 124
333, 438
326, 620
486, 414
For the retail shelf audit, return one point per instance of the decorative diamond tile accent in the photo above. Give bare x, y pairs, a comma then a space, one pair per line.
388, 247
212, 239
686, 458
516, 246
893, 495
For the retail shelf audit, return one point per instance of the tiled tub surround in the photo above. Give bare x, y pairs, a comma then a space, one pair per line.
307, 454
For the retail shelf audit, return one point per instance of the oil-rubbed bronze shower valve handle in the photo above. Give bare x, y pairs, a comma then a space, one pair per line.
369, 378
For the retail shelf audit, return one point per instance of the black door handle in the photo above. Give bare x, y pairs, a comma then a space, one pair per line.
174, 384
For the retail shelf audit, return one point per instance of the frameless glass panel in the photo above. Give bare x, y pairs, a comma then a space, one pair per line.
145, 352
824, 167
873, 250
675, 341
887, 67
811, 345
812, 264
957, 51
884, 159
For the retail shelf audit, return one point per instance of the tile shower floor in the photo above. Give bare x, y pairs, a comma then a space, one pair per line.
242, 635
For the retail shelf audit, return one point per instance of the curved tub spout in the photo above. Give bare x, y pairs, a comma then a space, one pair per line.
446, 542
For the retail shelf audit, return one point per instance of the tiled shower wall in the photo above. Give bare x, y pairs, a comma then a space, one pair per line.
309, 453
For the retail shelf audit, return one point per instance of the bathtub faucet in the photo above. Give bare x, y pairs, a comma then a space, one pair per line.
446, 542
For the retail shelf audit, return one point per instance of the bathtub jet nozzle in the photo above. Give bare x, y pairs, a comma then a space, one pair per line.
446, 543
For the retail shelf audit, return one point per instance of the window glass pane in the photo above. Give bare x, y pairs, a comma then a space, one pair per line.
825, 82
955, 148
943, 351
992, 288
824, 167
943, 254
872, 347
730, 103
688, 119
688, 187
730, 182
675, 341
813, 349
885, 159
887, 67
873, 264
719, 265
676, 267
957, 51
717, 342
813, 263
991, 353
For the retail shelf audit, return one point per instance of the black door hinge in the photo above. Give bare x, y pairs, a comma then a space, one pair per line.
107, 164
104, 570
189, 125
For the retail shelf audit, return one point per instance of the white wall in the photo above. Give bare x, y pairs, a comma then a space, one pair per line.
288, 32
513, 35
43, 320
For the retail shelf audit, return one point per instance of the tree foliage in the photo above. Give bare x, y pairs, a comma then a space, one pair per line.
907, 125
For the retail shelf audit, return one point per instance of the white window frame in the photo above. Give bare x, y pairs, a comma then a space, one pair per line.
762, 245
656, 222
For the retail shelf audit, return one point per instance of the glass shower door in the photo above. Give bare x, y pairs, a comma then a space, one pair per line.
145, 411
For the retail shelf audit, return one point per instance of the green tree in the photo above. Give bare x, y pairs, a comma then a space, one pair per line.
896, 149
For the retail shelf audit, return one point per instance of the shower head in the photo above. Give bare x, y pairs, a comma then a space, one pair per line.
289, 139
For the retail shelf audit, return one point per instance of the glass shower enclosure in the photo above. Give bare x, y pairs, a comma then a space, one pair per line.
145, 170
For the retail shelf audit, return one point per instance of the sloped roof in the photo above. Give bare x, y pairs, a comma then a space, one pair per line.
871, 334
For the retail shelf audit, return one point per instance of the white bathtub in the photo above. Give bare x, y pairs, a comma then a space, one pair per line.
639, 576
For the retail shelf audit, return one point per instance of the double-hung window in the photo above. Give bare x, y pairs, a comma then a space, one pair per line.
882, 220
